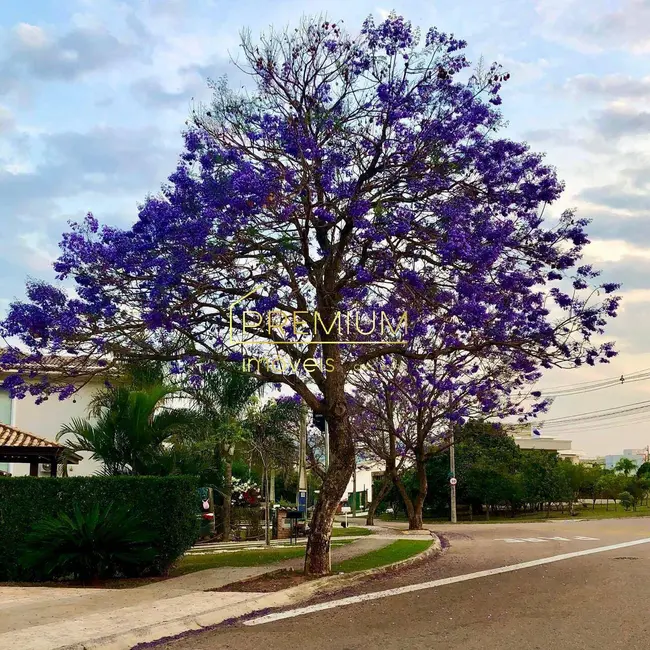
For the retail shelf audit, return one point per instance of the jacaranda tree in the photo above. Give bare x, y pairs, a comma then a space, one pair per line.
404, 411
363, 174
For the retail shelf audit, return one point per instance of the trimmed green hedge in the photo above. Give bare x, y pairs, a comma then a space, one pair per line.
167, 505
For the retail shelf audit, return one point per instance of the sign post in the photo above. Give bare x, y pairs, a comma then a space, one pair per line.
452, 480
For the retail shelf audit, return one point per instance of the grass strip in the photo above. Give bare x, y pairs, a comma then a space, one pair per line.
401, 549
252, 557
352, 531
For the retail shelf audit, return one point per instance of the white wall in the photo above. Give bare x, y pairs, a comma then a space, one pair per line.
549, 444
45, 420
364, 480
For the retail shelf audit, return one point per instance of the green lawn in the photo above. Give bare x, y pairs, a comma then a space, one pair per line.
351, 531
255, 557
600, 512
398, 550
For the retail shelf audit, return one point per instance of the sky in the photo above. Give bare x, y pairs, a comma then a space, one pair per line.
94, 95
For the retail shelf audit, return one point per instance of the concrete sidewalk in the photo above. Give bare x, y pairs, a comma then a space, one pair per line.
50, 618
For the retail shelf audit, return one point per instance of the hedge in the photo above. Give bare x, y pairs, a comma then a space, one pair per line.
167, 505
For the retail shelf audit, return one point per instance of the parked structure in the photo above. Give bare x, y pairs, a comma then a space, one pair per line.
18, 448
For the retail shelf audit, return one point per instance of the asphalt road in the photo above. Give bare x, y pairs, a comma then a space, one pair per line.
588, 602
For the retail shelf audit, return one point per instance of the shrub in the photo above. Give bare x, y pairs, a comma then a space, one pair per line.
166, 506
96, 543
626, 500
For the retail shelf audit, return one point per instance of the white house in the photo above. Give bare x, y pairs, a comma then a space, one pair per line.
362, 481
44, 421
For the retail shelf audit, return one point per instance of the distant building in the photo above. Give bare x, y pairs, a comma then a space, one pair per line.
637, 456
528, 436
598, 461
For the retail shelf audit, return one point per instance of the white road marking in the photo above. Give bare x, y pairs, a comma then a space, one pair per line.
521, 540
352, 600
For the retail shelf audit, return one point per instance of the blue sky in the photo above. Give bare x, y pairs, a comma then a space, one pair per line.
94, 95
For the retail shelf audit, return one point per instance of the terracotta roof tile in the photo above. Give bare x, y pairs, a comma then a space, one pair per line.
12, 437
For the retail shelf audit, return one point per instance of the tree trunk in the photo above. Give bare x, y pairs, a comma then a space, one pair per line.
317, 556
227, 498
377, 499
408, 503
415, 523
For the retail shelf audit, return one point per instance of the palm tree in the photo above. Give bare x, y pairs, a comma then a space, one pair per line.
130, 429
625, 465
221, 402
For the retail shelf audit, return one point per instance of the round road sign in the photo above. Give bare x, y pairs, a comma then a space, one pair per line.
453, 481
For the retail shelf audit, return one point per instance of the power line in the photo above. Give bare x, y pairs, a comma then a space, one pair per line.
601, 412
590, 387
582, 391
623, 420
562, 387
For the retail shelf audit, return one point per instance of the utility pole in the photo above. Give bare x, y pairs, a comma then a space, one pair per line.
452, 480
301, 497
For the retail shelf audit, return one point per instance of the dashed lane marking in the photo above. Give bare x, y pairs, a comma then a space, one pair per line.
534, 540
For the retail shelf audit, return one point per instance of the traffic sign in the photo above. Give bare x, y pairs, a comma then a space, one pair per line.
319, 421
453, 481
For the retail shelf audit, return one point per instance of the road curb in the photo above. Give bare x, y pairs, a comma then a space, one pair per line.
341, 580
153, 635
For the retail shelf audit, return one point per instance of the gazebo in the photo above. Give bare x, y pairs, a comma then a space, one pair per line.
18, 446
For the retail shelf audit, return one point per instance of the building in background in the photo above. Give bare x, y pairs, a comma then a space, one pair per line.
637, 456
528, 436
598, 461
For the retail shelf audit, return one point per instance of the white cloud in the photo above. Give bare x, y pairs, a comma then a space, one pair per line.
613, 86
30, 35
594, 26
614, 250
522, 72
39, 252
635, 296
6, 120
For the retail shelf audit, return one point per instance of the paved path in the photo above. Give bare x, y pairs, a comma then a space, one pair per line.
45, 618
587, 599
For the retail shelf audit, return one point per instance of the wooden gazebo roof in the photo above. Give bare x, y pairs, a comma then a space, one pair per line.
18, 446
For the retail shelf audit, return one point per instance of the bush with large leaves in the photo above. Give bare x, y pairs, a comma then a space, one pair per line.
130, 429
88, 545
